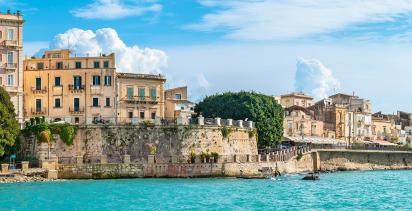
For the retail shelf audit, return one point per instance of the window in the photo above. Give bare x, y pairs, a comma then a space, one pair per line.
76, 120
107, 101
178, 96
57, 103
153, 115
57, 81
40, 66
38, 105
153, 94
38, 83
96, 80
10, 34
10, 80
141, 93
106, 64
77, 82
76, 104
1, 80
95, 102
96, 64
130, 114
108, 80
59, 65
78, 65
142, 115
10, 57
129, 93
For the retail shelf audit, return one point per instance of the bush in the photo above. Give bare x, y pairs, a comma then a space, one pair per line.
226, 131
215, 156
262, 109
192, 157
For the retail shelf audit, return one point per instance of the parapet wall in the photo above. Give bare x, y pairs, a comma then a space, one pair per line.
96, 144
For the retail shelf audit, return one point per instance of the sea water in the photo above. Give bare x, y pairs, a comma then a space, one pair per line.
369, 190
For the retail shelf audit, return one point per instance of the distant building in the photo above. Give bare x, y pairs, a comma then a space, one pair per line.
385, 128
296, 99
72, 89
299, 121
333, 117
11, 60
358, 123
141, 97
177, 103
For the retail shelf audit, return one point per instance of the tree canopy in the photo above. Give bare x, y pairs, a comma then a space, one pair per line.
9, 127
262, 109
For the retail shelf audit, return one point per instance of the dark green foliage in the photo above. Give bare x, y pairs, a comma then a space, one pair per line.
9, 127
299, 156
262, 109
66, 131
226, 131
37, 125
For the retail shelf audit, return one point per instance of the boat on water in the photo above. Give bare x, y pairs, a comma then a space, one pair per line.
311, 176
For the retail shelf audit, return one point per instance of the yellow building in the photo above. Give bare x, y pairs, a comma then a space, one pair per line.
296, 99
177, 103
141, 97
72, 89
299, 121
11, 59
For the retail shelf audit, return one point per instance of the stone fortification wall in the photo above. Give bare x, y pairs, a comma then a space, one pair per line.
111, 143
332, 160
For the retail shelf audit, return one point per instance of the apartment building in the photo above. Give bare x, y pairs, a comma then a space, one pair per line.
299, 122
11, 59
177, 103
67, 88
295, 99
141, 97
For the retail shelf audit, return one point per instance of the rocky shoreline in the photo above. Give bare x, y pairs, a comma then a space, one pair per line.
33, 175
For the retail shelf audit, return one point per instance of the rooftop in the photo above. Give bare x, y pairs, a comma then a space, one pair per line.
8, 15
141, 76
297, 94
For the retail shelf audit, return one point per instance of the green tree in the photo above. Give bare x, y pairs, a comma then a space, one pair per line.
9, 127
262, 109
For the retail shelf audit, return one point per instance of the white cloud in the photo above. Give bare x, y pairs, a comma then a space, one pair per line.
130, 59
31, 48
202, 81
313, 78
283, 19
115, 9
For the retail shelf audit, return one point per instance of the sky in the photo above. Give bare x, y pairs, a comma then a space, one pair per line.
269, 46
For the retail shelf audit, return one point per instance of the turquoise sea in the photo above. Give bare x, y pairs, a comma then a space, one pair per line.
371, 190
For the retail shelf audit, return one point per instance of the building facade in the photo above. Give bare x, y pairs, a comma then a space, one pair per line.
333, 117
71, 89
11, 59
296, 99
299, 121
177, 103
141, 97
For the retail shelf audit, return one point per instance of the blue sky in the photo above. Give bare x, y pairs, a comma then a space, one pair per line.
262, 45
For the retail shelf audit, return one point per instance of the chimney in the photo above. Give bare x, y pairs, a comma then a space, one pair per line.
8, 12
18, 12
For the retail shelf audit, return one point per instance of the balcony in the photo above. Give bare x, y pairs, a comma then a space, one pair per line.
141, 100
76, 88
9, 43
38, 111
76, 110
39, 90
10, 66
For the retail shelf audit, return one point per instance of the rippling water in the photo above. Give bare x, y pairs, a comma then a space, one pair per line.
345, 191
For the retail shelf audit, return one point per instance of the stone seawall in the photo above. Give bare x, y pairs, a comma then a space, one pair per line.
340, 160
183, 170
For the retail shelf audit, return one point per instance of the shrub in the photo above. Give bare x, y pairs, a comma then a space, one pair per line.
192, 157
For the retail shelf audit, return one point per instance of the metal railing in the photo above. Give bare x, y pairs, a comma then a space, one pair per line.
73, 87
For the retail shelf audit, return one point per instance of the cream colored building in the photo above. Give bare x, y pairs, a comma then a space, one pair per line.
141, 97
177, 103
299, 121
11, 59
73, 89
295, 99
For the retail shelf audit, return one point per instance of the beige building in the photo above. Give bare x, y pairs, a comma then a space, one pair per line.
295, 99
384, 128
72, 89
177, 103
299, 121
141, 97
11, 59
